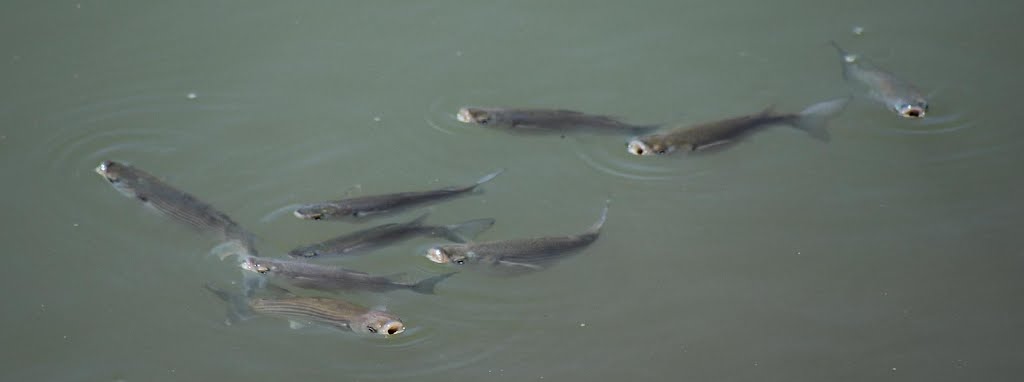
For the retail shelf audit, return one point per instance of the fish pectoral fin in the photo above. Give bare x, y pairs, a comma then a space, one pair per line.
713, 145
518, 264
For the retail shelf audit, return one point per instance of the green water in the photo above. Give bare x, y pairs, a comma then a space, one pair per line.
890, 253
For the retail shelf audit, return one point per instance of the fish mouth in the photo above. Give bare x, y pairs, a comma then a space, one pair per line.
308, 215
102, 168
464, 115
436, 255
392, 328
912, 112
638, 147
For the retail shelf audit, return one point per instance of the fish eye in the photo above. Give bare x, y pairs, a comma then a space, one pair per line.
460, 261
371, 329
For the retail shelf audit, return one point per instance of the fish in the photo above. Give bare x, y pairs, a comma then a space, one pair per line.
330, 312
363, 241
547, 120
710, 134
331, 278
897, 94
521, 254
179, 205
361, 207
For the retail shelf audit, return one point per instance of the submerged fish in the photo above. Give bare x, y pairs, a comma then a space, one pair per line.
527, 253
539, 120
177, 204
897, 94
811, 120
363, 206
332, 278
365, 240
330, 312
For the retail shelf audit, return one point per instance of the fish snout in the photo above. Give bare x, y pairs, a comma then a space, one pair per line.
638, 147
308, 214
391, 328
912, 111
437, 255
464, 115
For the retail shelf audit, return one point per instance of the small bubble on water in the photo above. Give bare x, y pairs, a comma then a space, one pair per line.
583, 324
191, 95
458, 53
75, 225
850, 58
376, 119
858, 30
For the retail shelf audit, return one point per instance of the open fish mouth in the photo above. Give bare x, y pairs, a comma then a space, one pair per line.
392, 328
464, 115
912, 112
637, 147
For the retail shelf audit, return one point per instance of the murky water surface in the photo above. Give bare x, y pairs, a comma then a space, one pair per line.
890, 253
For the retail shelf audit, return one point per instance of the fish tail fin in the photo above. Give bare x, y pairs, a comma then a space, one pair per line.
238, 310
814, 118
845, 58
428, 285
488, 177
418, 221
465, 231
600, 221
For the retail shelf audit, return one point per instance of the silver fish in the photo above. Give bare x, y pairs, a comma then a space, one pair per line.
363, 241
693, 138
331, 278
526, 253
329, 312
541, 120
360, 207
899, 95
177, 204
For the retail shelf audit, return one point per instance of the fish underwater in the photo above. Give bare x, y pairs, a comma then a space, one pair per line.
326, 277
547, 120
522, 254
181, 206
363, 241
710, 134
898, 95
361, 207
329, 312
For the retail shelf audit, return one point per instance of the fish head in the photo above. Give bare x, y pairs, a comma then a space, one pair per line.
475, 115
641, 146
449, 255
322, 211
110, 170
915, 108
378, 323
253, 264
